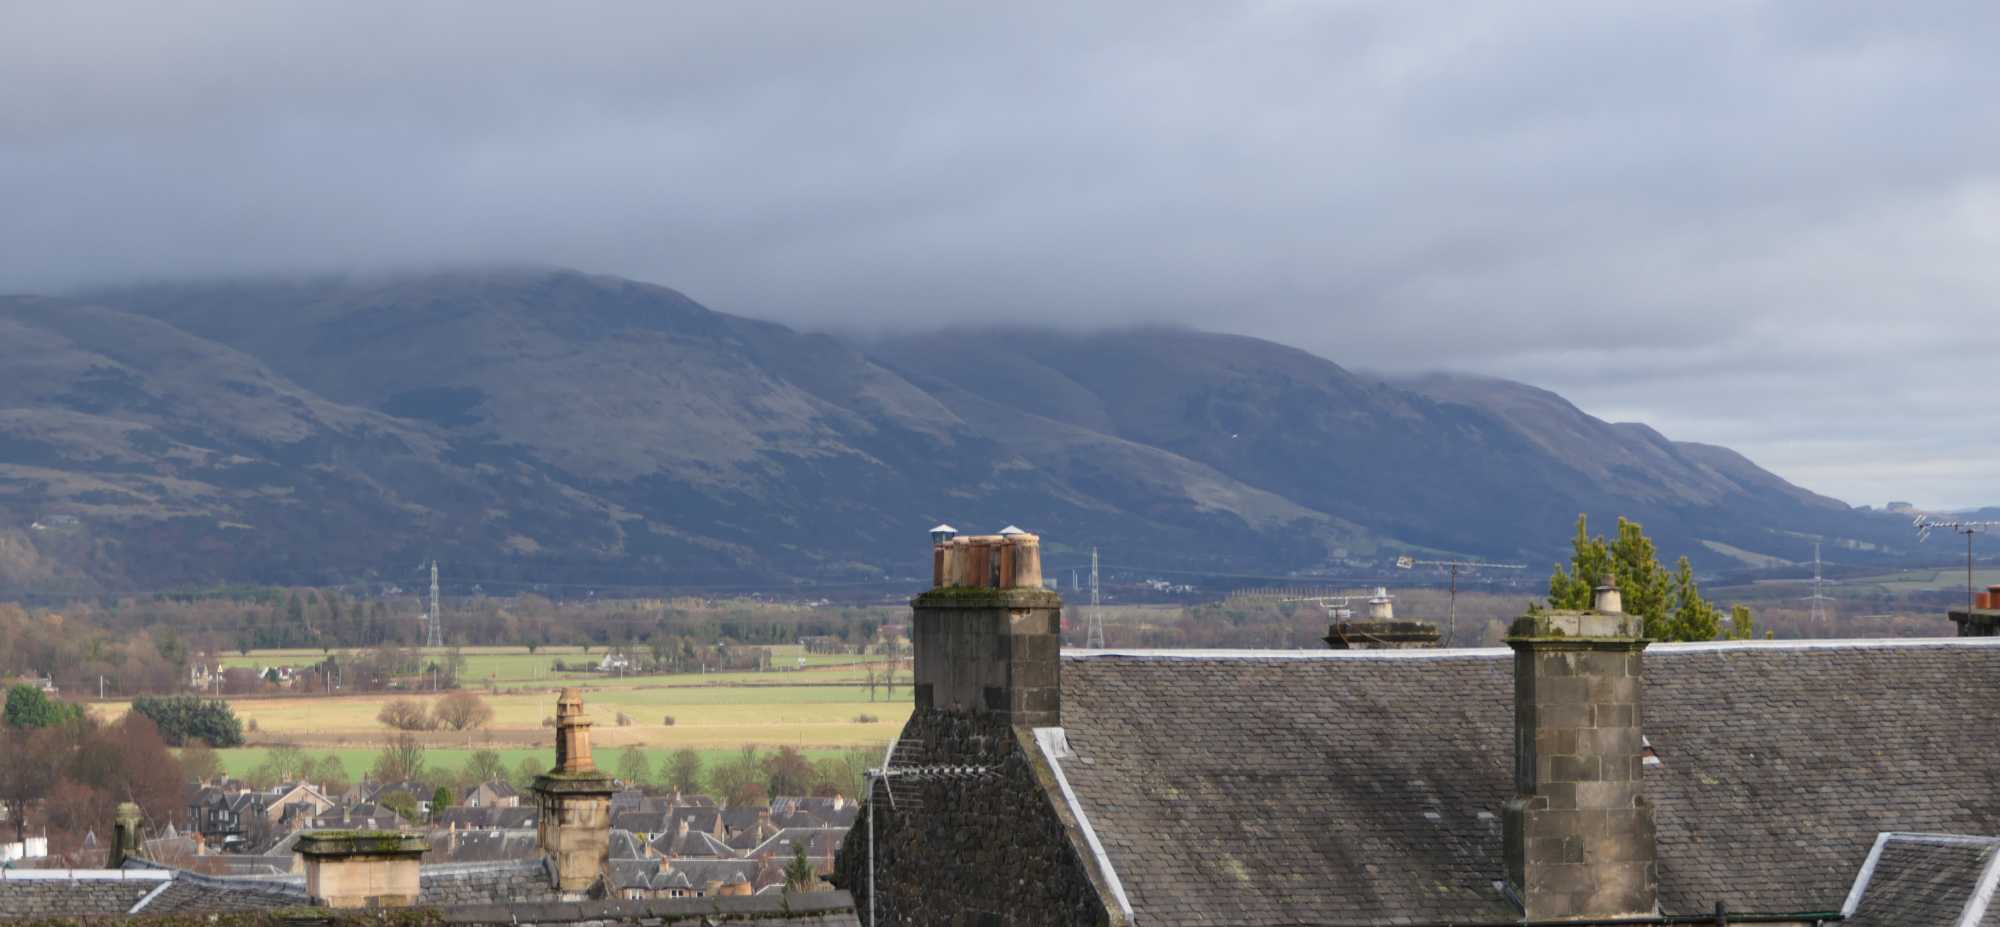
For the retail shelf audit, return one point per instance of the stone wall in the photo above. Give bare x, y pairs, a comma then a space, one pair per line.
968, 851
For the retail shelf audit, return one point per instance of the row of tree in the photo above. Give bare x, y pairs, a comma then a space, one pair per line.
457, 710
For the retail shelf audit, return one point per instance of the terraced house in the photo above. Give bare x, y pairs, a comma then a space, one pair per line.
1581, 776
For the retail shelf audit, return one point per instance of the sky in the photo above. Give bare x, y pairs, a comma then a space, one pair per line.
1766, 225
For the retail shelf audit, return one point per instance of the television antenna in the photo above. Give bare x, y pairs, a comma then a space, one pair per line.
896, 765
1819, 599
1453, 566
1925, 524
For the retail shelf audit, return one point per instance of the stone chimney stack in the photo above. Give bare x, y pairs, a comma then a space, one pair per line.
363, 869
1381, 631
1579, 837
574, 828
1983, 619
125, 835
988, 636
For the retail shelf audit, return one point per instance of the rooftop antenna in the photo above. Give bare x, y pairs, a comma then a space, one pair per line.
1925, 523
1818, 598
1093, 634
896, 765
1451, 621
434, 635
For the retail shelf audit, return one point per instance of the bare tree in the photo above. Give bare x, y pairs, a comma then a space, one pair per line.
462, 709
401, 760
406, 714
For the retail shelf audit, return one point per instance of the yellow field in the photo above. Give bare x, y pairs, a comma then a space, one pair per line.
811, 707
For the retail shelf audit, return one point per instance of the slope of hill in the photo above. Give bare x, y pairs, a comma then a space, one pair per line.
538, 426
137, 455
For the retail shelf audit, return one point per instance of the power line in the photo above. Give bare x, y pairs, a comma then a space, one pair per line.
1818, 597
1093, 636
434, 636
1451, 628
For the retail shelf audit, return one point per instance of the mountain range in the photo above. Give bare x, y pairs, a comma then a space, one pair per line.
533, 426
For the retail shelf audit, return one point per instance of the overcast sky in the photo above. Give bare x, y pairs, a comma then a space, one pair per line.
1774, 226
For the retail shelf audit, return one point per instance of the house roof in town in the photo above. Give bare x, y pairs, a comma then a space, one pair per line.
474, 846
488, 817
1342, 786
818, 841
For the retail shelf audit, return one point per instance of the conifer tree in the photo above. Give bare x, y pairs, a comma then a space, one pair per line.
1670, 603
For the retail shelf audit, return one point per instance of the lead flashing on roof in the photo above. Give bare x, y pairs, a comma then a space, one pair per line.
1053, 742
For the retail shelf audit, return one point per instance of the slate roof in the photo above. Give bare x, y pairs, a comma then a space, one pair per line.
706, 820
1927, 880
367, 816
640, 822
742, 819
487, 817
817, 909
25, 898
1345, 786
105, 892
695, 845
476, 846
512, 882
818, 841
192, 894
702, 871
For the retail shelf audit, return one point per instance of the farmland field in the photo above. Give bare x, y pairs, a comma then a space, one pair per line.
815, 702
515, 667
357, 760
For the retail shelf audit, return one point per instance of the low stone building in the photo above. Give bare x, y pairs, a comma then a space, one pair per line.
1580, 776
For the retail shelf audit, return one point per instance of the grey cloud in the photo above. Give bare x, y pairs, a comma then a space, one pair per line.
1767, 225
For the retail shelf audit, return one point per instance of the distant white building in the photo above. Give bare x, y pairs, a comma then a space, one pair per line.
31, 848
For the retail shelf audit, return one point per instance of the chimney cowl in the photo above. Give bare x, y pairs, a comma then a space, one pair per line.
1605, 598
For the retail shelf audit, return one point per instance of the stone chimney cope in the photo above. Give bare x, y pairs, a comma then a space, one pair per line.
362, 869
